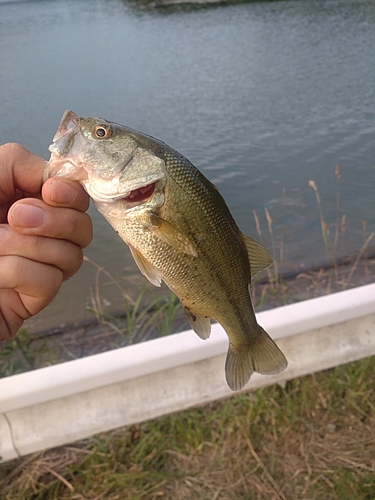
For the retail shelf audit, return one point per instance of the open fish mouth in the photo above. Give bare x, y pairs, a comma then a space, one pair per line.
141, 194
132, 198
68, 139
69, 123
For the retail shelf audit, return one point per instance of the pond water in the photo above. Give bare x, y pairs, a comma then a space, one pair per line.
261, 96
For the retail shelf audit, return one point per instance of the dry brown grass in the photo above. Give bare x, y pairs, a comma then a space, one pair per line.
312, 439
350, 273
289, 467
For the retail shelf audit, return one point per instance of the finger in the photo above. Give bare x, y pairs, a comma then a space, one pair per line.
62, 254
20, 171
26, 287
12, 313
66, 193
34, 217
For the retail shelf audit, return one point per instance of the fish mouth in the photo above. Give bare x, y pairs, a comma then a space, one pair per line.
140, 194
69, 124
67, 144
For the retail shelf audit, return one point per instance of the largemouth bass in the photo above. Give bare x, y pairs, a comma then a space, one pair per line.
178, 229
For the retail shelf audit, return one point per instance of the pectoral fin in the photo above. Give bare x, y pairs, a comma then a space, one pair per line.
147, 269
169, 234
259, 256
200, 324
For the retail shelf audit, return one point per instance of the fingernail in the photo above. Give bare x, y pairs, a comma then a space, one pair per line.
61, 192
24, 215
3, 233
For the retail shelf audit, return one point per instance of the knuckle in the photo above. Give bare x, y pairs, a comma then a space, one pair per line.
70, 225
73, 263
12, 150
81, 230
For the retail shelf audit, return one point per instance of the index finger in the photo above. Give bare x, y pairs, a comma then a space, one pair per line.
20, 170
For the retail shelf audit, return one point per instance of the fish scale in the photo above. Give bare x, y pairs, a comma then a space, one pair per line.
178, 228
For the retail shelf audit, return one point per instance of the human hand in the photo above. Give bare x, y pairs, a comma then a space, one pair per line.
43, 229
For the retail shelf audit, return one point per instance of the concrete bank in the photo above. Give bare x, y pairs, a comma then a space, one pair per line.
74, 400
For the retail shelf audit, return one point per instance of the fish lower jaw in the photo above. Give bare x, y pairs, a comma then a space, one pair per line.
99, 196
132, 198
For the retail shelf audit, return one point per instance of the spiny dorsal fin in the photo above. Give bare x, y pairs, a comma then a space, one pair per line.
259, 256
169, 234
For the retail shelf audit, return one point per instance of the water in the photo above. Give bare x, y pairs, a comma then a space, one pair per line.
261, 96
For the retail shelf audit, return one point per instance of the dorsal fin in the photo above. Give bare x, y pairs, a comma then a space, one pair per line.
259, 256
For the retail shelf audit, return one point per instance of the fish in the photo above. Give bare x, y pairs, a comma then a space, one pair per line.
178, 228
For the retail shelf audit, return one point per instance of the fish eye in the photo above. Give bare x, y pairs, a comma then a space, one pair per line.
102, 131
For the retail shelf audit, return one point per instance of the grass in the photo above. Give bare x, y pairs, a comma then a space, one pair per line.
339, 273
310, 439
313, 438
142, 318
23, 353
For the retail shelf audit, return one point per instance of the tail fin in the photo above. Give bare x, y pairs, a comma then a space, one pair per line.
262, 356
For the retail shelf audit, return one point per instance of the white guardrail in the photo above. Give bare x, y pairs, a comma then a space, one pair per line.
74, 400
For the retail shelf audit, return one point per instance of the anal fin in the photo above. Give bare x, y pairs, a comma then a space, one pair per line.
200, 324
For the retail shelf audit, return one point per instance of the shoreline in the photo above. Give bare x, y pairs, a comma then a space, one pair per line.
291, 287
31, 351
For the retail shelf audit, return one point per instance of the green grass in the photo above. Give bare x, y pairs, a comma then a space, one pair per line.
145, 316
313, 438
140, 320
310, 439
